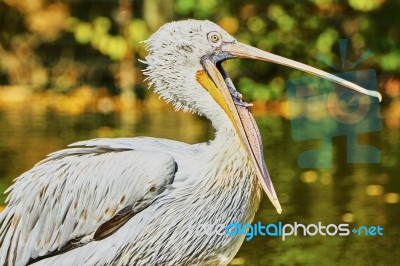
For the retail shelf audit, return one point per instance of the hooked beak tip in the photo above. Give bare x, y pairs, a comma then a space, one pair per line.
240, 50
379, 96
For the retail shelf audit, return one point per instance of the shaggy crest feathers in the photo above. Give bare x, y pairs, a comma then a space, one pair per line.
162, 185
175, 51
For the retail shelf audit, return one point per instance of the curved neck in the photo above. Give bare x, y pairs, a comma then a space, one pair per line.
226, 179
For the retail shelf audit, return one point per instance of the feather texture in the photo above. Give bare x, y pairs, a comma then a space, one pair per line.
131, 201
212, 185
73, 192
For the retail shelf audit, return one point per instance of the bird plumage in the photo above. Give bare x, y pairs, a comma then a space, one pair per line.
73, 192
132, 201
156, 235
172, 66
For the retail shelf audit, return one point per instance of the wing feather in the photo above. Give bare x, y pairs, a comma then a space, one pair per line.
73, 192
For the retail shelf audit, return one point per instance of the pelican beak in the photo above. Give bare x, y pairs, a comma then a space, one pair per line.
221, 90
219, 85
240, 50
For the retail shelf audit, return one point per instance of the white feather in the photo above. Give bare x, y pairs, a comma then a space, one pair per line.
73, 191
71, 194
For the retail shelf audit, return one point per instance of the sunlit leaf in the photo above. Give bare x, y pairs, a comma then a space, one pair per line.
390, 61
83, 32
104, 43
230, 24
137, 31
102, 24
275, 12
118, 48
363, 5
184, 6
256, 25
286, 23
205, 8
326, 40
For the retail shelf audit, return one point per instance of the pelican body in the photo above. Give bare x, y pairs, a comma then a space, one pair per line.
131, 201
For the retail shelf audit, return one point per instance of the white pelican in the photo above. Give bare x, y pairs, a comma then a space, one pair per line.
129, 201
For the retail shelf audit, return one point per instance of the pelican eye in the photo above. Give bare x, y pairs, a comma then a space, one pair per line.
215, 38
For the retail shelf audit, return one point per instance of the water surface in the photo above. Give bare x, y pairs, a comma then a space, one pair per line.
359, 194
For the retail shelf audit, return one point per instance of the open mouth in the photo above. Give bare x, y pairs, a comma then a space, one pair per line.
216, 81
249, 124
236, 95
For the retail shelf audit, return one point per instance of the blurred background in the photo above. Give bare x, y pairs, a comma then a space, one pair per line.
69, 71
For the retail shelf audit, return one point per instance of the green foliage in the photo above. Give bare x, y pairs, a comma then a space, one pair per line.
201, 9
365, 5
326, 40
97, 34
295, 29
137, 31
390, 61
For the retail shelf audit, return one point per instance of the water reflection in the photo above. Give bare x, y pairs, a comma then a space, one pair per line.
360, 194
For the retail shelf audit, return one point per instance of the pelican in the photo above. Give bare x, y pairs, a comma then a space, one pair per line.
129, 201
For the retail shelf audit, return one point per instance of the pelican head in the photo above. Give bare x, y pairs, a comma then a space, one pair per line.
184, 67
